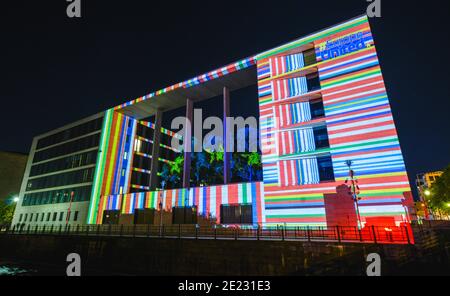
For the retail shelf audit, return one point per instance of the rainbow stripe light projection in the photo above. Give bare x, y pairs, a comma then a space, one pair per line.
207, 199
114, 163
357, 121
357, 116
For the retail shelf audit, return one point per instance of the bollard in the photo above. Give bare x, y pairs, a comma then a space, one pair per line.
374, 234
338, 234
407, 235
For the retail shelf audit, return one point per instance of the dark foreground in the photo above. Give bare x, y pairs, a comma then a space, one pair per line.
111, 255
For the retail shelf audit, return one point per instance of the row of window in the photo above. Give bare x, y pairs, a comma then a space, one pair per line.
325, 166
77, 194
73, 177
65, 163
144, 131
76, 131
321, 137
67, 148
47, 217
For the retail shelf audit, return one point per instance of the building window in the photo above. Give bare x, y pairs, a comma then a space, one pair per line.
25, 219
236, 214
317, 109
61, 215
37, 217
48, 216
75, 216
20, 218
42, 217
31, 217
321, 137
55, 214
325, 165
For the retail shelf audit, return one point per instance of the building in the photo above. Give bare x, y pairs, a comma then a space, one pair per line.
423, 184
12, 168
322, 103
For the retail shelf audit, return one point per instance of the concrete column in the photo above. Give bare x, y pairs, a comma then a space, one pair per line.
226, 139
155, 151
187, 139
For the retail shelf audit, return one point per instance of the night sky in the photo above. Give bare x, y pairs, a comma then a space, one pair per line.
55, 70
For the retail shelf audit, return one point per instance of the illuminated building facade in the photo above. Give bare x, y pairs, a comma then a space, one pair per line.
322, 102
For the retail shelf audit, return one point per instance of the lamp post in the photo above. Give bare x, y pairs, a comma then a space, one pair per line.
163, 183
70, 207
354, 188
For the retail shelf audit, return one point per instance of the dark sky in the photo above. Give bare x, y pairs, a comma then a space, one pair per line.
55, 70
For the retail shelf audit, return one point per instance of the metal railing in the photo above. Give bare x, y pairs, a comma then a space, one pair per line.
369, 234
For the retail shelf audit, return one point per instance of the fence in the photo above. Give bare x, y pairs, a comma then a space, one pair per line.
369, 234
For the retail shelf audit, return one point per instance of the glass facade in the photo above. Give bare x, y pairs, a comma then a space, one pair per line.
69, 162
74, 132
57, 196
69, 178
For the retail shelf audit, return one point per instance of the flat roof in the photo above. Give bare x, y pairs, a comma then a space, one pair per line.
234, 76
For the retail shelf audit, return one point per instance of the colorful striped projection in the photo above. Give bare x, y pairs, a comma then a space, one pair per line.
197, 80
207, 199
358, 119
114, 162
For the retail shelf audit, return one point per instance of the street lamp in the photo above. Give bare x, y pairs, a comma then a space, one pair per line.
427, 192
354, 190
16, 199
163, 183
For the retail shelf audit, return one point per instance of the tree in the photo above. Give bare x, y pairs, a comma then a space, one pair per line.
6, 213
440, 193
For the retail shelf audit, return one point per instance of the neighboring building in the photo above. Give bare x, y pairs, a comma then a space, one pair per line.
423, 185
322, 101
12, 168
424, 182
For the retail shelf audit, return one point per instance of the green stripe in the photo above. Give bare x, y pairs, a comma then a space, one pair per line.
99, 168
296, 216
244, 193
327, 85
308, 40
294, 198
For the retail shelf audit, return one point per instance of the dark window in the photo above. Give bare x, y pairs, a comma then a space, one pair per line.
317, 109
31, 217
65, 163
75, 216
42, 217
20, 218
139, 178
55, 214
37, 217
73, 177
236, 214
325, 165
67, 148
321, 137
48, 216
313, 81
144, 216
76, 131
144, 131
309, 57
142, 162
111, 217
184, 215
26, 217
61, 216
